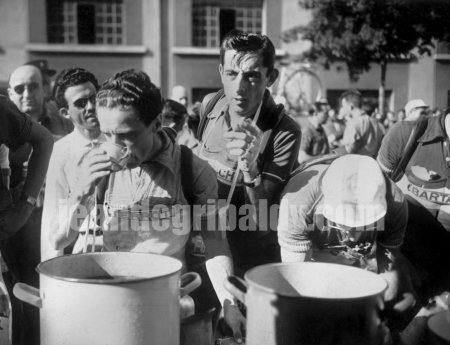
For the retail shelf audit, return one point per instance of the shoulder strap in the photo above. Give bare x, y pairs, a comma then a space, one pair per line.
187, 176
210, 104
410, 147
186, 157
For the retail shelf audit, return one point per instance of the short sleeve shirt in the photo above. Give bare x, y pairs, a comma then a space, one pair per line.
427, 174
281, 156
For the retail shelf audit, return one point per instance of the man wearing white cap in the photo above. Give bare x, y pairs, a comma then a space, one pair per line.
345, 212
414, 109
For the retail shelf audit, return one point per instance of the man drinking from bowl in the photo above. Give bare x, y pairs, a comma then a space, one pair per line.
142, 200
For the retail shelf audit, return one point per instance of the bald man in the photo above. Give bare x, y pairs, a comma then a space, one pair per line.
27, 92
179, 94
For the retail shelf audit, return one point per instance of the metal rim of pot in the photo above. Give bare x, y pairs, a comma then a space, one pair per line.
116, 280
249, 281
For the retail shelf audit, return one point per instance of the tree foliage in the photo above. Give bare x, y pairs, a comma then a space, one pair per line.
360, 32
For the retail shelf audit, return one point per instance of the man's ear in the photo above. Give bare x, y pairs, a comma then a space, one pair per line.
10, 94
64, 112
273, 75
220, 68
156, 124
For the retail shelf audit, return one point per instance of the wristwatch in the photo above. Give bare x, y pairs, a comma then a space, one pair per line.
28, 199
253, 183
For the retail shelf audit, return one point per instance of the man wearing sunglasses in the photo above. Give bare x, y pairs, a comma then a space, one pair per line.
347, 212
74, 92
26, 90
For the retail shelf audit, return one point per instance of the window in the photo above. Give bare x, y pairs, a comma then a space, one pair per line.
85, 21
213, 19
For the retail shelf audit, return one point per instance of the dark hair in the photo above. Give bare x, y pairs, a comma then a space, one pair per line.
71, 77
175, 112
132, 88
245, 43
353, 97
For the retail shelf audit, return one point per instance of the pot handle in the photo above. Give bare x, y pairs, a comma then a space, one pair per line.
237, 287
28, 294
189, 282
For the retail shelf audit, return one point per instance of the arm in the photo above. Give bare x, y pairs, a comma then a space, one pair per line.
94, 166
4, 165
281, 159
389, 239
294, 223
219, 263
392, 146
42, 143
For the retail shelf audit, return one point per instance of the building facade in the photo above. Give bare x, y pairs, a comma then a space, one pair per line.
177, 43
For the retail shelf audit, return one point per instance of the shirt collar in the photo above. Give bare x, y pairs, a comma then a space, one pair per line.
167, 154
435, 129
85, 141
267, 107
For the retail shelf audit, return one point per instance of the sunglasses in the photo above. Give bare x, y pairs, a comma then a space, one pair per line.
81, 103
20, 89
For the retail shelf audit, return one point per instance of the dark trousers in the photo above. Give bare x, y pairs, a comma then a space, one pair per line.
252, 248
427, 247
22, 254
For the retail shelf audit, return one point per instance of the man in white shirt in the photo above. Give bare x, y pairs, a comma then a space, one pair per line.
74, 92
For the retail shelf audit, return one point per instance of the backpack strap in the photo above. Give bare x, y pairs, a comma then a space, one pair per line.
209, 103
410, 148
186, 158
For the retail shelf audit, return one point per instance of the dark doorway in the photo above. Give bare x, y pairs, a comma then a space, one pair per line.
86, 24
227, 19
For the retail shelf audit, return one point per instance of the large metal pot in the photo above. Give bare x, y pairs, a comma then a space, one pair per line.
311, 303
109, 298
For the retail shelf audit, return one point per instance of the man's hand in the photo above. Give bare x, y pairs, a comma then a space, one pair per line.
235, 320
12, 219
245, 142
94, 166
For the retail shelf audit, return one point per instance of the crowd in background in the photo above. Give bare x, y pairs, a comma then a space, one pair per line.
265, 153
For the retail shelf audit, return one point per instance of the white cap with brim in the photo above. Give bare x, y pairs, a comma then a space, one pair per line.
354, 191
413, 104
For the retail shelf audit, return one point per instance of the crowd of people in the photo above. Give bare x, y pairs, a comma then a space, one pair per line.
342, 186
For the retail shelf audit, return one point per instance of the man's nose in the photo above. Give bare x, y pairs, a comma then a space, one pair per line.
241, 84
90, 105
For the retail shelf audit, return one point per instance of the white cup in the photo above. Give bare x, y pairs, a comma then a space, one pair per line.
118, 155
